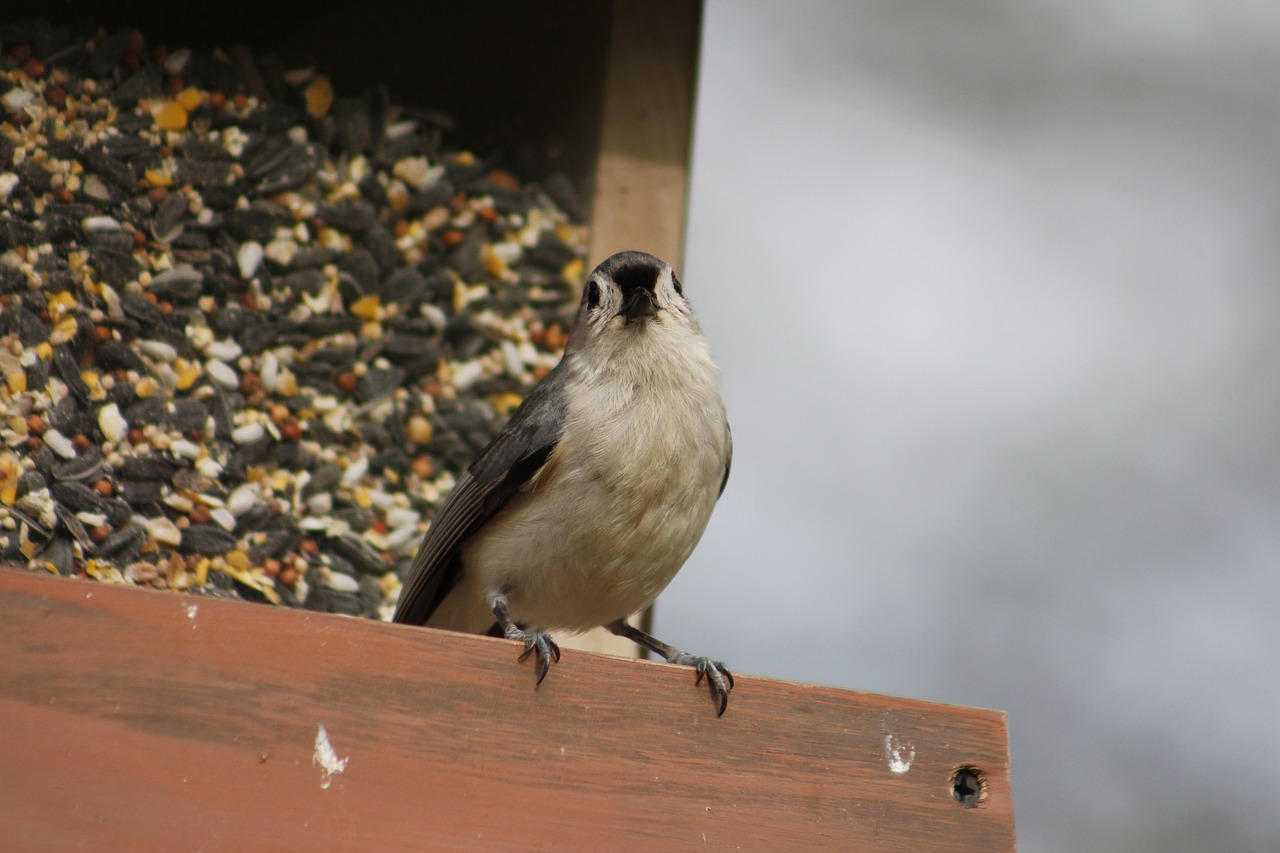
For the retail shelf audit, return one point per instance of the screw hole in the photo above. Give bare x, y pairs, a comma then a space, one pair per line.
968, 786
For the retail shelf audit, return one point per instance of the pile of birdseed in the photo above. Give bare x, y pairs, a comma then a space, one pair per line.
250, 331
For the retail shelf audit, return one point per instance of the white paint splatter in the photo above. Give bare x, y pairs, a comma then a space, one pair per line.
900, 755
327, 758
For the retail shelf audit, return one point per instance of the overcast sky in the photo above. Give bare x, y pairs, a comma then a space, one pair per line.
995, 288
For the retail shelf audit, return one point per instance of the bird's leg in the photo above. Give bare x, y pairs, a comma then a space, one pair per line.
534, 641
719, 679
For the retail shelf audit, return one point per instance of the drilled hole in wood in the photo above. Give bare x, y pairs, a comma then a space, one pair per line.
968, 785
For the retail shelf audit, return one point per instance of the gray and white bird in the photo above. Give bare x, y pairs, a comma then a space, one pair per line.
595, 493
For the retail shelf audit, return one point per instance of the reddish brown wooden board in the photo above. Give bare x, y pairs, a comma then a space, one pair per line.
139, 720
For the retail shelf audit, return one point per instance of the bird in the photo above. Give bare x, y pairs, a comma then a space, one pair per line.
596, 491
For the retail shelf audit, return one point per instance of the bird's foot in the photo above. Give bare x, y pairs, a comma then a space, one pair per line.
539, 644
718, 677
534, 641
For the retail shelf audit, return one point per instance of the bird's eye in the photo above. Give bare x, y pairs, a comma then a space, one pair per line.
593, 294
675, 282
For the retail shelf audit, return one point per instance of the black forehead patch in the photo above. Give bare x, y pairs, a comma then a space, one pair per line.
633, 275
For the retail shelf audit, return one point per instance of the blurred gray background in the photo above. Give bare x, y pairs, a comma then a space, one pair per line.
994, 287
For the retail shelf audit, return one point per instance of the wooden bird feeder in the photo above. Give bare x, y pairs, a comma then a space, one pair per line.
142, 720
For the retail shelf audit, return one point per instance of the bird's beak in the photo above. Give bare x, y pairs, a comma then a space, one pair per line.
639, 303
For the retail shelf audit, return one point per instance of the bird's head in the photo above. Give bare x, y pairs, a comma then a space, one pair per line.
631, 291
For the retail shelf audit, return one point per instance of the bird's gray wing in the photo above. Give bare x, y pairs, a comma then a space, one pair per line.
498, 473
728, 457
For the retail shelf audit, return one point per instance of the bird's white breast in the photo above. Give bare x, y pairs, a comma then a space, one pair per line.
621, 502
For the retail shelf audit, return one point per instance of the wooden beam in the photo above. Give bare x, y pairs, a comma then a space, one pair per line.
141, 720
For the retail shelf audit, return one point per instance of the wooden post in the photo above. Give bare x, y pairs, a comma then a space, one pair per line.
140, 720
642, 174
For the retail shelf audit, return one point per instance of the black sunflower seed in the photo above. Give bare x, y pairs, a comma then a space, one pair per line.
207, 540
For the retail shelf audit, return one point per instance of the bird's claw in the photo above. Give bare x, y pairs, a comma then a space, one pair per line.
545, 647
718, 677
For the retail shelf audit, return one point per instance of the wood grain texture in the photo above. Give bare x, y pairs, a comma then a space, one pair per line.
138, 720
